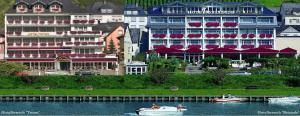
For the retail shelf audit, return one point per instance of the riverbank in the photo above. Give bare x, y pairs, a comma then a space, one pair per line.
153, 92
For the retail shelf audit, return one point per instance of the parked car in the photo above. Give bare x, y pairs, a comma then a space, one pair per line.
240, 73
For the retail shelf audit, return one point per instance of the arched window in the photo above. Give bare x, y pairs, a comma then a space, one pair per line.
38, 8
55, 8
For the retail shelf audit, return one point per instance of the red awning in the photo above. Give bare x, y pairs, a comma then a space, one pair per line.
260, 50
168, 50
288, 51
194, 50
222, 50
31, 60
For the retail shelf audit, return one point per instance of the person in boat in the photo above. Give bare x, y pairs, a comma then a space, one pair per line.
154, 106
179, 106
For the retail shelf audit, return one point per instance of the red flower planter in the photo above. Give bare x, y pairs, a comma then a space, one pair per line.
18, 33
42, 22
59, 33
244, 35
51, 44
176, 46
34, 21
34, 44
159, 35
83, 21
195, 24
230, 24
269, 35
211, 46
91, 21
26, 21
230, 46
247, 46
84, 43
43, 44
212, 35
262, 35
59, 22
194, 35
265, 46
25, 44
212, 24
69, 43
73, 32
251, 35
50, 22
67, 21
77, 43
176, 35
76, 21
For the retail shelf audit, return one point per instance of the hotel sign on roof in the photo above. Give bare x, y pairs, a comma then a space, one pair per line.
212, 12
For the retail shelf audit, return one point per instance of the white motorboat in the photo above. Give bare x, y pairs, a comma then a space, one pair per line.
228, 98
156, 110
284, 100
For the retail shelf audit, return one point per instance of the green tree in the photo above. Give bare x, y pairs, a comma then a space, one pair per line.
159, 76
111, 47
11, 68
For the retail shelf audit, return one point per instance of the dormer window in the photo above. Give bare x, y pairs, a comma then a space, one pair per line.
38, 8
22, 8
106, 10
55, 8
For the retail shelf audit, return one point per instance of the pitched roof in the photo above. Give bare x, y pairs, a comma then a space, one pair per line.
260, 50
134, 35
105, 4
293, 28
288, 51
67, 6
107, 27
222, 50
287, 8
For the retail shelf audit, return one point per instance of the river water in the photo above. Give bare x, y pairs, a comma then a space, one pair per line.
128, 108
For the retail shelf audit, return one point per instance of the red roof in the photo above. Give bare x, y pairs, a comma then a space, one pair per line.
222, 50
95, 60
288, 51
260, 50
168, 50
194, 50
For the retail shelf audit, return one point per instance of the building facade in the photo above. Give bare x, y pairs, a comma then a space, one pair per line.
211, 26
55, 35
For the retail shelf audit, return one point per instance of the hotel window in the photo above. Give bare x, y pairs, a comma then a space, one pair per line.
133, 19
229, 42
21, 8
248, 20
85, 51
55, 8
142, 19
176, 42
158, 19
212, 31
176, 31
247, 31
265, 42
265, 31
194, 31
211, 42
176, 20
38, 8
265, 20
247, 42
159, 31
80, 28
230, 31
194, 19
294, 21
134, 12
194, 42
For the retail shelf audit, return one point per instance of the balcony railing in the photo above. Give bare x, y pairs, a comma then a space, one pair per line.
83, 21
40, 22
230, 46
248, 36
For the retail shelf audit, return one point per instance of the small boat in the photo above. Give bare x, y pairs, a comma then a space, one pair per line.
284, 100
228, 98
156, 110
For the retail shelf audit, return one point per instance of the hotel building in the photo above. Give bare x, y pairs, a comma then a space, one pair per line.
55, 35
194, 30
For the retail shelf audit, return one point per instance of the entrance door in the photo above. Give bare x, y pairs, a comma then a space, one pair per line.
65, 66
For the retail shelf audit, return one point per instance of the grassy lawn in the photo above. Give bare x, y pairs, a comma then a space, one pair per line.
200, 92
